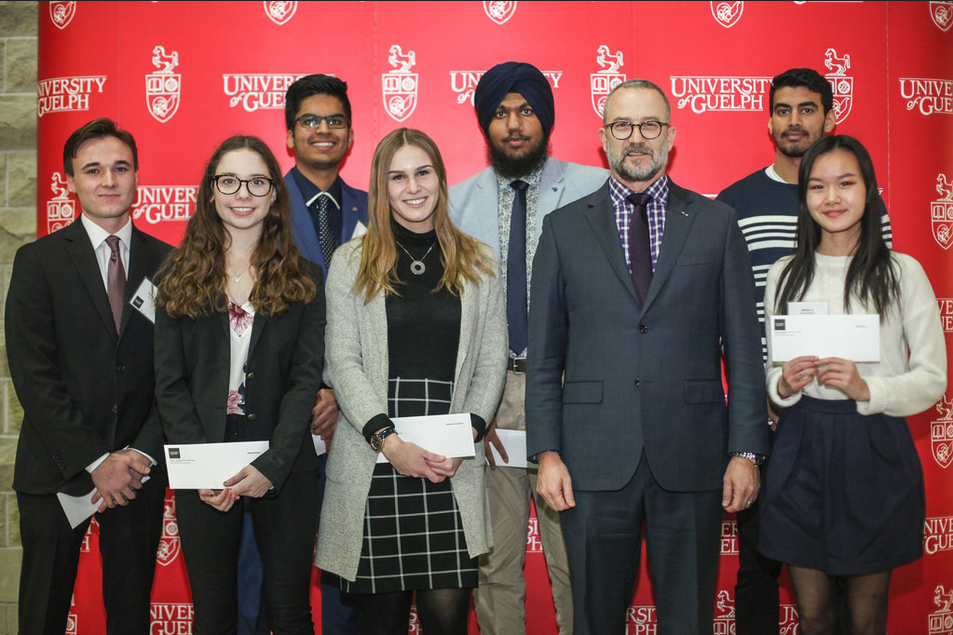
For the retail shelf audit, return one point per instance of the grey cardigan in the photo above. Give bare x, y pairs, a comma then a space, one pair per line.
357, 368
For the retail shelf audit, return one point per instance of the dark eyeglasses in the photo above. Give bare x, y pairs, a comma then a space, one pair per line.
312, 122
230, 184
649, 130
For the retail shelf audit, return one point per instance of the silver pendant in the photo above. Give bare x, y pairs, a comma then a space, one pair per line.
417, 268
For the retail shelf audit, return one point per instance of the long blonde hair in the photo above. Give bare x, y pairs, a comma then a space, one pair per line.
463, 257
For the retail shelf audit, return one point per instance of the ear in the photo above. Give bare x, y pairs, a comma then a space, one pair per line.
830, 120
70, 184
350, 138
290, 139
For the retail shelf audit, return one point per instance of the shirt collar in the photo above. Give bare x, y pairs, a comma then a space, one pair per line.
98, 235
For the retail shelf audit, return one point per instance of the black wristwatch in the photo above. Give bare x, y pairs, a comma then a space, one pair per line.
377, 440
757, 459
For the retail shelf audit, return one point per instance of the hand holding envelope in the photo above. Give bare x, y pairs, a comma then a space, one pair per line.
430, 447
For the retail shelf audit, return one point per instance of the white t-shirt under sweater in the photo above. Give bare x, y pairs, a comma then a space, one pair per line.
911, 374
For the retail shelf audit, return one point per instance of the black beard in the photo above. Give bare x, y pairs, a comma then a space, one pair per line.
514, 168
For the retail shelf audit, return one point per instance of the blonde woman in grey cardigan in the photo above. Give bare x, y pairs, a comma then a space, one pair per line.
416, 326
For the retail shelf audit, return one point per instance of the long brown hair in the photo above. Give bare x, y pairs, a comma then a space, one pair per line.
463, 257
193, 277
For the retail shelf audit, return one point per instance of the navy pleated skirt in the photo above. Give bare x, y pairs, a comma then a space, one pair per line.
842, 492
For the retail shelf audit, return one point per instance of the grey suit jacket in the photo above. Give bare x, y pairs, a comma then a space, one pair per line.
357, 368
474, 202
644, 377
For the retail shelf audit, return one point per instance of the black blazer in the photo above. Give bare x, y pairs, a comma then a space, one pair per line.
283, 374
85, 390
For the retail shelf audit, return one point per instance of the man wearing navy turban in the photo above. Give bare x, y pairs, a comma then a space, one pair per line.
515, 108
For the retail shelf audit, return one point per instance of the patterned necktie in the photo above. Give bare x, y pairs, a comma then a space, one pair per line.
115, 280
640, 248
325, 235
516, 270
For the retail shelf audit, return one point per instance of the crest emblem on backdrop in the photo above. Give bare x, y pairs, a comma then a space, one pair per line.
400, 85
941, 433
941, 213
499, 12
602, 82
942, 14
280, 12
727, 14
61, 13
842, 85
60, 210
169, 545
163, 87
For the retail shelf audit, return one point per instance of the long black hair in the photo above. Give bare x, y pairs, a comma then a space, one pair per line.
872, 277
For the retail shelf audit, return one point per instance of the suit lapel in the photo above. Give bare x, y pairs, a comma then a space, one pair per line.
601, 219
84, 259
678, 223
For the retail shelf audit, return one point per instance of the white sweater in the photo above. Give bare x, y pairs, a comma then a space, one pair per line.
911, 374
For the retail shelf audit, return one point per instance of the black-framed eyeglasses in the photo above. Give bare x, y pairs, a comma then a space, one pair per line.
649, 130
230, 184
312, 122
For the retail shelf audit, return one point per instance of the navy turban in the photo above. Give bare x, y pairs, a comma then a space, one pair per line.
514, 77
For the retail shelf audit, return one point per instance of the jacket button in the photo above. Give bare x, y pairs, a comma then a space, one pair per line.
250, 416
120, 368
115, 408
638, 382
643, 328
250, 375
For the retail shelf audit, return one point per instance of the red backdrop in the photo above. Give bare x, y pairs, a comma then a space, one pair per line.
182, 76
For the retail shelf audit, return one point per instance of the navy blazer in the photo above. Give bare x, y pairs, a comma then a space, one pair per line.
353, 211
85, 390
644, 377
282, 375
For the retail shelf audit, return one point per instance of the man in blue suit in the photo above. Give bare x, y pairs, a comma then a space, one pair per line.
625, 406
515, 107
325, 213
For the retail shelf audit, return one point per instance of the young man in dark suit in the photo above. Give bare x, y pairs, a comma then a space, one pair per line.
625, 407
81, 360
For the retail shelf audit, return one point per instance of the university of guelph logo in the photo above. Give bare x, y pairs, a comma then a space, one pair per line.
942, 14
941, 621
60, 210
601, 83
941, 213
941, 434
169, 545
727, 14
61, 13
499, 12
280, 12
400, 85
163, 86
842, 85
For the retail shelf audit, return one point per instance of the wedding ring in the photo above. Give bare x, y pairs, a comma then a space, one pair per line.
748, 504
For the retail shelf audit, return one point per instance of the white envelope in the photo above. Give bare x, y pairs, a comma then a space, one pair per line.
514, 441
853, 337
449, 435
208, 465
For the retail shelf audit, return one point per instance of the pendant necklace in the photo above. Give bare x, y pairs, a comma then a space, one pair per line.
417, 266
238, 276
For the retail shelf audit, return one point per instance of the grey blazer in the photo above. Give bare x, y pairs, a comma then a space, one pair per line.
357, 368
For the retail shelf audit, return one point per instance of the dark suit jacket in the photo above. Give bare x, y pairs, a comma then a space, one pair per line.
644, 376
85, 390
283, 373
353, 211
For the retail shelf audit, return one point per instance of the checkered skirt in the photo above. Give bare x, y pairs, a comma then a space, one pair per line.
413, 533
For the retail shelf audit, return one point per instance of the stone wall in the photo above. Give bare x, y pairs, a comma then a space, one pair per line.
18, 72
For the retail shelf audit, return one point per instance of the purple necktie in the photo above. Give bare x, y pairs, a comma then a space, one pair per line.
640, 248
115, 280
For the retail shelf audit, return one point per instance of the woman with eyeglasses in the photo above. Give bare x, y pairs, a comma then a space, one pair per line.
843, 494
239, 354
416, 326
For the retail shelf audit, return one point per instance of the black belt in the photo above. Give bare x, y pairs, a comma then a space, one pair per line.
518, 366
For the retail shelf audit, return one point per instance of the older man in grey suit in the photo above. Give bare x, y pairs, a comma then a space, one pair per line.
515, 107
638, 291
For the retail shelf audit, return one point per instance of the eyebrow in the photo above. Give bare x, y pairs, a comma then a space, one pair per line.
93, 164
801, 104
419, 167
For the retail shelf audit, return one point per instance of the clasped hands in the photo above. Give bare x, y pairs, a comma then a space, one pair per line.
248, 482
833, 372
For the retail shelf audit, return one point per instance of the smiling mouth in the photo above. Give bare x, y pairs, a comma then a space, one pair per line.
415, 201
